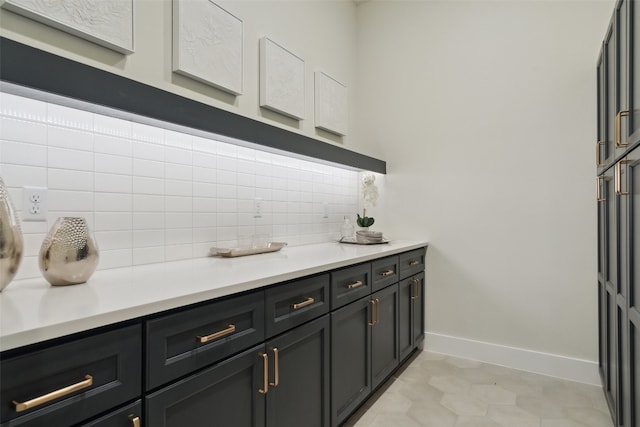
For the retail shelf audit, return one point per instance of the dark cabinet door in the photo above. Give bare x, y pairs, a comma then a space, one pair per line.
601, 116
405, 314
128, 416
633, 68
384, 334
418, 310
226, 394
350, 358
300, 372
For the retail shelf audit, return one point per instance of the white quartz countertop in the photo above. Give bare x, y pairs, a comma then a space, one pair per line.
32, 311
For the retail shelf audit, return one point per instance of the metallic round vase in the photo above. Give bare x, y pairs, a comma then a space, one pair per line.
69, 255
11, 244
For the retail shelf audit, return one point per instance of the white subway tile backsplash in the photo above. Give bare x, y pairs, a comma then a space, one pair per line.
148, 203
148, 255
113, 221
113, 202
74, 201
19, 176
62, 158
108, 144
108, 240
108, 163
153, 195
148, 168
23, 131
19, 153
143, 185
148, 238
148, 220
110, 183
70, 138
178, 252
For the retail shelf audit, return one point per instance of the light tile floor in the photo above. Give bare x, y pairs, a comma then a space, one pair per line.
444, 391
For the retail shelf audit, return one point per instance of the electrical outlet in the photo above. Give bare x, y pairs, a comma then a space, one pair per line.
34, 203
257, 207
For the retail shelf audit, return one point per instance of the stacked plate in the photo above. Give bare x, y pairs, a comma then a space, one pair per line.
369, 236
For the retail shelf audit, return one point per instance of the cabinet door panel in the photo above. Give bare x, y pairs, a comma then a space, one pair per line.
405, 322
225, 394
610, 91
350, 358
418, 311
634, 69
611, 385
384, 335
301, 397
633, 211
634, 395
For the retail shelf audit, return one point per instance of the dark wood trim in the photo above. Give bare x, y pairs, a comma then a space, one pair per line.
27, 66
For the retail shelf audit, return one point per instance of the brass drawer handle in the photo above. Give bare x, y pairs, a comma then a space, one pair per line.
304, 303
599, 153
135, 420
386, 273
265, 378
373, 312
415, 294
618, 178
23, 406
413, 262
619, 116
355, 284
276, 368
229, 330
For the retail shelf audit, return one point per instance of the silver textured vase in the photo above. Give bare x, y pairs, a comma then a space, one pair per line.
11, 244
69, 255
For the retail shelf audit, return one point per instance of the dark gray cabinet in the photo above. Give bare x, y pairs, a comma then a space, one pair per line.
298, 392
385, 355
71, 382
225, 394
307, 352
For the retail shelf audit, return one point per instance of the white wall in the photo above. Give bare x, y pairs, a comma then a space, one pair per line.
485, 114
320, 32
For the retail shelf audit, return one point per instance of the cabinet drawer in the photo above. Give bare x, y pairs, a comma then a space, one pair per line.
350, 284
294, 303
412, 262
103, 370
128, 416
385, 272
180, 343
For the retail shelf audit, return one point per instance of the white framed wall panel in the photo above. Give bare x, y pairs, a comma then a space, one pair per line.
330, 104
281, 80
107, 23
207, 44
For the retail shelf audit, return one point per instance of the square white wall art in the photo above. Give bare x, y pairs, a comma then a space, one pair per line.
207, 44
330, 104
107, 23
281, 80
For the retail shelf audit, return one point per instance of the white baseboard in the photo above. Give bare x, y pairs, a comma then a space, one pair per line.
584, 371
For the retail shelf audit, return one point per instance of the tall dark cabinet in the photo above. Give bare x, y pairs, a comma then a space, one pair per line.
618, 209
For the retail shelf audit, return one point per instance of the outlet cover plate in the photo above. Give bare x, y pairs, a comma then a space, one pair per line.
34, 203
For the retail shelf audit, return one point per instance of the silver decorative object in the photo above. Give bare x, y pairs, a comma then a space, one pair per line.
11, 244
69, 255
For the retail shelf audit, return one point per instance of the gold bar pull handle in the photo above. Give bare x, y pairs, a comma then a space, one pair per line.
618, 124
265, 378
415, 289
373, 312
135, 420
276, 368
304, 303
23, 406
229, 330
599, 196
355, 284
386, 273
413, 262
599, 145
618, 178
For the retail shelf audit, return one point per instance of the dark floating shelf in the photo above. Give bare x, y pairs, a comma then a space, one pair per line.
33, 68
